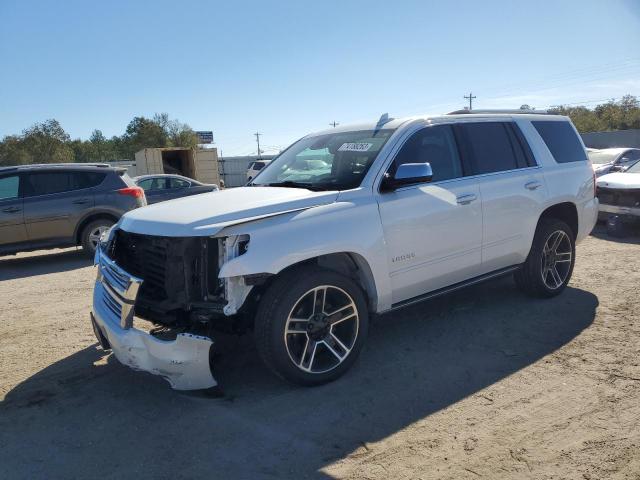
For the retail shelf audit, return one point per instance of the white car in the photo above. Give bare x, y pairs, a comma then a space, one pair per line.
255, 167
405, 210
608, 160
619, 196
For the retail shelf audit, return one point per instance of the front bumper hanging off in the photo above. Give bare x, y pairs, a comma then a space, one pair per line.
184, 362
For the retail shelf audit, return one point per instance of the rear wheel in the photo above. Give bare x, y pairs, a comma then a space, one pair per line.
549, 266
91, 234
311, 325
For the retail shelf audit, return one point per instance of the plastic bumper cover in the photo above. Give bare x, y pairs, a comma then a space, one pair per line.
184, 363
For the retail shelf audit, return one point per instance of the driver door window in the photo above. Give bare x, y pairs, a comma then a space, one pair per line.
435, 145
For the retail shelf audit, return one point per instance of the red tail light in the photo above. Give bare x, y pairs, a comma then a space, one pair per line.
135, 192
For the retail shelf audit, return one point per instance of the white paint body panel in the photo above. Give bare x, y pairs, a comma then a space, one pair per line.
432, 241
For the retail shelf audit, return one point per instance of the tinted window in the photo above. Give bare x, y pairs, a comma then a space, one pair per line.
562, 141
9, 187
87, 179
46, 183
435, 145
178, 183
156, 183
490, 147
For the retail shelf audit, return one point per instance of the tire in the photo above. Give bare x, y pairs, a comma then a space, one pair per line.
87, 237
535, 277
309, 354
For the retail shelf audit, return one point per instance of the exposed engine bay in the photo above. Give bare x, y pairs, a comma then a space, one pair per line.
181, 291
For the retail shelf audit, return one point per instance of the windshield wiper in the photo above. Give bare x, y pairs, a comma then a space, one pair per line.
292, 184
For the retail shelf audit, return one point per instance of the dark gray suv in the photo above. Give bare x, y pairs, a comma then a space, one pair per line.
51, 206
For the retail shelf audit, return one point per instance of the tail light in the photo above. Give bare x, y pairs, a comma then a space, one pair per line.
135, 192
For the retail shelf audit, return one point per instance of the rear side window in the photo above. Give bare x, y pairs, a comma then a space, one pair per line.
561, 140
258, 166
178, 183
9, 187
491, 147
153, 184
47, 183
87, 179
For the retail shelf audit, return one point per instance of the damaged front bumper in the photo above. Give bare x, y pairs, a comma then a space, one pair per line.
184, 362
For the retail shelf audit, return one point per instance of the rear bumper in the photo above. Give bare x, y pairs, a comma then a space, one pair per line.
184, 362
588, 218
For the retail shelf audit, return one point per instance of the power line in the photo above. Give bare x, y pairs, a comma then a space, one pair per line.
470, 97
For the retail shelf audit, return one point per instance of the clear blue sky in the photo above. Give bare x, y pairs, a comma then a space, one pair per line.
287, 68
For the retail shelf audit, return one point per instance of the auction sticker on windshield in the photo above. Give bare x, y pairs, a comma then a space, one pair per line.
355, 147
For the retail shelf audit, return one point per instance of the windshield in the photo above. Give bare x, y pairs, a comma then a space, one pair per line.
334, 161
635, 168
599, 157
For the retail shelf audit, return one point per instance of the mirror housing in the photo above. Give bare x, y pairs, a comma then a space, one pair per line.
407, 174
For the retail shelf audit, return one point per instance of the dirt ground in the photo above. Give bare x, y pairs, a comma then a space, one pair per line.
483, 383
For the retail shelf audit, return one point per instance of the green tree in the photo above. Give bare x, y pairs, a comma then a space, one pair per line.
144, 133
47, 142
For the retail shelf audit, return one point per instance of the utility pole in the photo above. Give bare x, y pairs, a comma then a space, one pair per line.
470, 97
257, 134
334, 124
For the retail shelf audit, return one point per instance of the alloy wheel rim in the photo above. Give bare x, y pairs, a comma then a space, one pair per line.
321, 329
555, 263
96, 233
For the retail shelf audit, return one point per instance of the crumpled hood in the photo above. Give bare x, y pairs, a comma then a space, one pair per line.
620, 180
208, 213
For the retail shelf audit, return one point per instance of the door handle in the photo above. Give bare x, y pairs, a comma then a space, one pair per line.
11, 209
81, 201
533, 185
466, 199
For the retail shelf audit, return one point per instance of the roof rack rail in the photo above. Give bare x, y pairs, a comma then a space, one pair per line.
509, 111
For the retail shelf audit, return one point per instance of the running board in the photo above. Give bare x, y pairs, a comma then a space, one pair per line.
453, 288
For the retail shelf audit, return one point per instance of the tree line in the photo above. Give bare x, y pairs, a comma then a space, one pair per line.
623, 114
47, 142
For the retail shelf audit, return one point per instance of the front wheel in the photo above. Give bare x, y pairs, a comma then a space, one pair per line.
311, 325
549, 266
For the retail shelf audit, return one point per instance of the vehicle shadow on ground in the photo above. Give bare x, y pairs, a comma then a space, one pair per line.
76, 419
632, 234
12, 268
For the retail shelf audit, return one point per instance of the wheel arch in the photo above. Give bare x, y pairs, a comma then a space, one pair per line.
564, 211
349, 264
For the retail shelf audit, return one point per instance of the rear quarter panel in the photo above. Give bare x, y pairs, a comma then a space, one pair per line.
566, 182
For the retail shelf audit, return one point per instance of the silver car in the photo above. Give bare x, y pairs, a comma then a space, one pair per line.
609, 160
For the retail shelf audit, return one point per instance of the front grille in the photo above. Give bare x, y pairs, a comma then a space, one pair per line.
144, 256
112, 305
622, 198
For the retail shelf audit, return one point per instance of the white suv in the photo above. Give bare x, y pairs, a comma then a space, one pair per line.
402, 210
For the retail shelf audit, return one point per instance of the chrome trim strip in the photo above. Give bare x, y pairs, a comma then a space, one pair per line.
121, 286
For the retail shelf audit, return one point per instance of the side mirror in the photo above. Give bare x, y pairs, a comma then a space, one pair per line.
408, 174
616, 168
